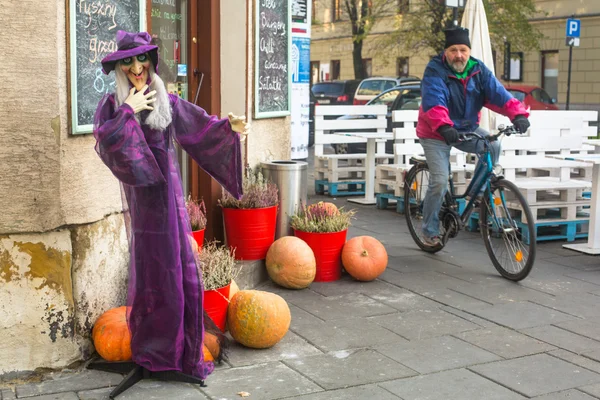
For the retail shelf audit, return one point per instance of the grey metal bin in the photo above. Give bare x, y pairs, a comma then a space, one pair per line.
291, 178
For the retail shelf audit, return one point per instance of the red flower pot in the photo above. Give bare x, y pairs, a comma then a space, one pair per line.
250, 231
199, 237
327, 248
215, 304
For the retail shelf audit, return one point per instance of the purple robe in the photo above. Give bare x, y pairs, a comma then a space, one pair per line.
165, 291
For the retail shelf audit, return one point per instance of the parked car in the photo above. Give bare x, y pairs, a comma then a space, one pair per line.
532, 96
406, 96
369, 88
335, 92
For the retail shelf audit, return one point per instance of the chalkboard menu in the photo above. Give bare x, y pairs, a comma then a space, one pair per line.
272, 60
93, 30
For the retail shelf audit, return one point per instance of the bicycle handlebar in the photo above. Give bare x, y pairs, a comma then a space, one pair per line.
509, 130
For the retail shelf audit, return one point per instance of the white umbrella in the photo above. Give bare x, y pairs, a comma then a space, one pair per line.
475, 20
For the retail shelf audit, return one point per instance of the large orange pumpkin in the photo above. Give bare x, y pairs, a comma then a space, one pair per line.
364, 258
111, 335
291, 263
258, 319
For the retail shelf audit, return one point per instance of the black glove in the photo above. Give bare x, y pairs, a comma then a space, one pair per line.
449, 134
521, 123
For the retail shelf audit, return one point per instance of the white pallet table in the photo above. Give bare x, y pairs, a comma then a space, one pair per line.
552, 190
562, 168
334, 167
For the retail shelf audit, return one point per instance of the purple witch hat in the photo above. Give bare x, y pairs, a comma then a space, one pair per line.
131, 44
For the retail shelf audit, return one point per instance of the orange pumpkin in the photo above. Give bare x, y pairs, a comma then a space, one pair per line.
258, 319
211, 346
364, 258
207, 354
111, 335
330, 208
291, 263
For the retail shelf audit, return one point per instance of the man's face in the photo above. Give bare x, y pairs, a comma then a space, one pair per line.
136, 69
457, 56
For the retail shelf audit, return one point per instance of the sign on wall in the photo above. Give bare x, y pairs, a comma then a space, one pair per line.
93, 28
272, 60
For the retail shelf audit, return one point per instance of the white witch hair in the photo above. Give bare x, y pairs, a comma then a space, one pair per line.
159, 118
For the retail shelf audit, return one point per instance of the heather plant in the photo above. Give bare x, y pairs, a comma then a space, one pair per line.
217, 264
197, 213
319, 218
257, 192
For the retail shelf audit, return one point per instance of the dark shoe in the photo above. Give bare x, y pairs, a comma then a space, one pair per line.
433, 241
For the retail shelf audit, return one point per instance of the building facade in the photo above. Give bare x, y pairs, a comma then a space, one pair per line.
63, 248
331, 50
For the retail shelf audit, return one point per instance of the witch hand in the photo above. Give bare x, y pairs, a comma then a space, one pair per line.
239, 125
139, 101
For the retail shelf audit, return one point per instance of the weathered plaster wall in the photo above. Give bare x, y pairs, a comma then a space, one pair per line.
36, 302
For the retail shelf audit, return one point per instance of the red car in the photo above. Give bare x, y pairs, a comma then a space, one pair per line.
532, 96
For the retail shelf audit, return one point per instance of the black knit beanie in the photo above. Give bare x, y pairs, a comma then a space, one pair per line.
457, 35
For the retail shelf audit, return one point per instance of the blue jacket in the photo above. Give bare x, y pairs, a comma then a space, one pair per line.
448, 100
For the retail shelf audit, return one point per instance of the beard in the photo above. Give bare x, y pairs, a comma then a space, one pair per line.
459, 66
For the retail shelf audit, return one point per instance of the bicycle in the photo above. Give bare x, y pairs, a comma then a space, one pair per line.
503, 211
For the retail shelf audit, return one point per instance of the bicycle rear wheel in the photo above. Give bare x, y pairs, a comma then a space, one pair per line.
502, 234
416, 184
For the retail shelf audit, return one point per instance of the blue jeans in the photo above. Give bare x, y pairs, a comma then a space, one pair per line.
437, 153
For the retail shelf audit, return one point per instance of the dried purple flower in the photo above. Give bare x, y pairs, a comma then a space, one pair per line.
197, 213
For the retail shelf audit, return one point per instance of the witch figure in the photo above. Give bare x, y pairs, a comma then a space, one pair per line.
135, 128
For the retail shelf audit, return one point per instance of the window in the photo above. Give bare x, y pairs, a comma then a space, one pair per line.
517, 94
403, 6
402, 66
386, 98
367, 66
550, 72
335, 70
545, 97
314, 72
336, 6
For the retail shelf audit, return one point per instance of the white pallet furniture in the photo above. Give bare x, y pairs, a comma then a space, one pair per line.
337, 167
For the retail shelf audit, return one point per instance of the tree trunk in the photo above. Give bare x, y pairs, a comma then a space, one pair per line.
359, 70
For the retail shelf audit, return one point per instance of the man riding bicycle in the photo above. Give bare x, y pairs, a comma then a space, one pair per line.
454, 89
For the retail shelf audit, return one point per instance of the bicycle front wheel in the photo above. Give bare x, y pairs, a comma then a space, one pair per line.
503, 214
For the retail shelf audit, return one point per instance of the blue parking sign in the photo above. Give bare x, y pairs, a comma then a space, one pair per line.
573, 27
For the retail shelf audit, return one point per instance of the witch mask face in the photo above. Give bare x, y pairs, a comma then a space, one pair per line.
136, 68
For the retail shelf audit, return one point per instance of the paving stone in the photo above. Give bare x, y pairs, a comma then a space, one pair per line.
418, 263
367, 392
436, 354
556, 283
520, 315
578, 304
346, 334
537, 375
291, 346
469, 262
7, 394
299, 316
419, 325
563, 339
57, 396
469, 317
584, 327
593, 390
594, 355
571, 394
578, 262
586, 276
498, 291
262, 381
69, 382
505, 342
340, 307
349, 368
150, 390
458, 384
576, 359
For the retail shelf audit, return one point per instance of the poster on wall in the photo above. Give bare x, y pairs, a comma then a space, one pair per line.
300, 96
272, 59
300, 65
92, 36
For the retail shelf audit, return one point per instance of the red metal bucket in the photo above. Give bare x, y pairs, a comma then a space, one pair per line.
216, 303
199, 238
250, 231
327, 248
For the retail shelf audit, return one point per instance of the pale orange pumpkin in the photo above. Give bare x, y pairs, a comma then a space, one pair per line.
258, 319
233, 289
364, 258
111, 336
329, 207
291, 263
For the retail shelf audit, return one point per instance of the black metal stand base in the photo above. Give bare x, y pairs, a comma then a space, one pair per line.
136, 373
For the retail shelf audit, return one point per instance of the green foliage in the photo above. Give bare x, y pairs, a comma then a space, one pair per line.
321, 219
257, 193
217, 264
423, 28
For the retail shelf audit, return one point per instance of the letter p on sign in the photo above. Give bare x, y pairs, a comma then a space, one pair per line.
573, 27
